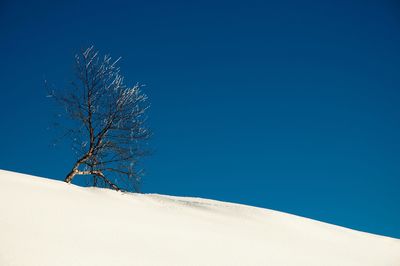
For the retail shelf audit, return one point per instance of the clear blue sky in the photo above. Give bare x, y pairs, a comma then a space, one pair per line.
288, 105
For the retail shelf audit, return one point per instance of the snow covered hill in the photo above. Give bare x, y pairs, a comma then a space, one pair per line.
47, 222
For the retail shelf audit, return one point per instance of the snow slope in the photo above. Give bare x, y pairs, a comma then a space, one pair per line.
47, 222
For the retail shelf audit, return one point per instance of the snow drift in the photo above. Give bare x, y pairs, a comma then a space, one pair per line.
48, 222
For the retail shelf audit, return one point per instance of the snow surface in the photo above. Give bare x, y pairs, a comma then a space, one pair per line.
48, 222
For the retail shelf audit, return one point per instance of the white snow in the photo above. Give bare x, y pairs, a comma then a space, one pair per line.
48, 222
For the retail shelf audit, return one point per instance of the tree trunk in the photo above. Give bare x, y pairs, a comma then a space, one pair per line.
75, 170
71, 175
100, 174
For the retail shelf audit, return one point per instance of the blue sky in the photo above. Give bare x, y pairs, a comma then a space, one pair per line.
288, 105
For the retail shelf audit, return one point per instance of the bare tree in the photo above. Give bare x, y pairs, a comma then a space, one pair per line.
107, 122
